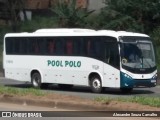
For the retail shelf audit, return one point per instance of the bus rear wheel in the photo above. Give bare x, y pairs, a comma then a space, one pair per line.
36, 81
96, 85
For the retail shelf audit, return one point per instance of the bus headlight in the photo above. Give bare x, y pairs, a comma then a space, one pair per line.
155, 77
126, 81
127, 76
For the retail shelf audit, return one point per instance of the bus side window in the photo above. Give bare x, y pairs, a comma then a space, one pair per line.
35, 47
16, 46
9, 45
89, 50
111, 54
51, 46
83, 46
43, 46
22, 47
97, 49
29, 46
59, 44
78, 46
94, 48
69, 47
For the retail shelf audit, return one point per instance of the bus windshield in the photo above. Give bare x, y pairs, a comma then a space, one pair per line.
137, 55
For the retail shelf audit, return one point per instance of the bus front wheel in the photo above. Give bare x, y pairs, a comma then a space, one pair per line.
96, 85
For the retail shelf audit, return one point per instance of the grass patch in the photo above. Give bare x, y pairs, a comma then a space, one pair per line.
21, 92
103, 100
151, 101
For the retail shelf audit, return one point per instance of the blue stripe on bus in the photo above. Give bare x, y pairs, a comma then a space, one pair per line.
129, 82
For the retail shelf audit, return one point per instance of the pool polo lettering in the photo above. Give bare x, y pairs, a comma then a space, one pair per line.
60, 63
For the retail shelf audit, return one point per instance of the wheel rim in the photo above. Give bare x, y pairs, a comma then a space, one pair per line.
36, 81
96, 84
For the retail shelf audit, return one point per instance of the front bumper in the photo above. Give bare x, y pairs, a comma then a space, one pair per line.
128, 82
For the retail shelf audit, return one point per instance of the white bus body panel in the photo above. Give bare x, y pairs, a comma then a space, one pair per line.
111, 76
20, 67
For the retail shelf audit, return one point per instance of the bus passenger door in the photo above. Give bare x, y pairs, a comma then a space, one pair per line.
111, 72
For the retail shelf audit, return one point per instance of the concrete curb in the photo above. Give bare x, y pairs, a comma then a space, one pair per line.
55, 104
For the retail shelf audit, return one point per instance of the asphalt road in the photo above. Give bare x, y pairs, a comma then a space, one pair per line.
85, 92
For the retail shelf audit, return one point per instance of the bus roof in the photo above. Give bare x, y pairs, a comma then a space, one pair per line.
74, 32
63, 30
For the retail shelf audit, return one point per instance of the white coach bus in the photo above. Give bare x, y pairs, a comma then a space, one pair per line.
68, 57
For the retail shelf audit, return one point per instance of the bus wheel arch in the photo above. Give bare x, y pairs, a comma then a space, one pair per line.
34, 71
95, 82
36, 80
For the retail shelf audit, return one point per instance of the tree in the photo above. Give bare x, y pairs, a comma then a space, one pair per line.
14, 7
156, 36
132, 15
69, 15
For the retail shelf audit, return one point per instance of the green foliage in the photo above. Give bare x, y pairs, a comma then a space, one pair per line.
69, 15
132, 15
38, 23
151, 101
103, 100
156, 40
156, 36
4, 29
158, 58
12, 7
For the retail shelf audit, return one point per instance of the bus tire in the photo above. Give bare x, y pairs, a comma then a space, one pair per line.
96, 85
126, 90
36, 80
